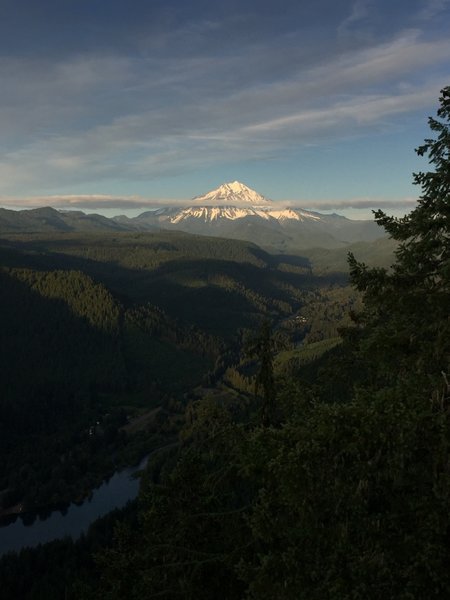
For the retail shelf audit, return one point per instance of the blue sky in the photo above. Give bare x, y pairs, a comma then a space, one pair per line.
110, 106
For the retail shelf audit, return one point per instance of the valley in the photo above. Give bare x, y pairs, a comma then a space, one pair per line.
96, 324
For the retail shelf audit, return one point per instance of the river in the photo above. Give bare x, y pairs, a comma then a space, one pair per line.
74, 520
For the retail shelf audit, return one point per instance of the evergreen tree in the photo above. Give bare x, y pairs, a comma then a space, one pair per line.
262, 347
406, 314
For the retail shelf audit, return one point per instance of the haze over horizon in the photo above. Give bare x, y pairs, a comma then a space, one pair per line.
112, 108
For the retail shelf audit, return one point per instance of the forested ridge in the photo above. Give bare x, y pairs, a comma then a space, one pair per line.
313, 462
94, 328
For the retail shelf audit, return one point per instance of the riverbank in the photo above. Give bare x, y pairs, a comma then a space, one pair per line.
28, 530
69, 483
32, 528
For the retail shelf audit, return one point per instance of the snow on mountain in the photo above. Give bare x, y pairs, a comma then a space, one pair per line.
232, 201
208, 214
233, 193
294, 215
213, 213
235, 211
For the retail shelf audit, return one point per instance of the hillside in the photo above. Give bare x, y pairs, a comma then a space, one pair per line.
217, 284
41, 220
117, 315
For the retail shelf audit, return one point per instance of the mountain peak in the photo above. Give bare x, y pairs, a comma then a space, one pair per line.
234, 193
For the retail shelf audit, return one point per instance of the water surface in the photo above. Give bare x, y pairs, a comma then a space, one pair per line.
74, 520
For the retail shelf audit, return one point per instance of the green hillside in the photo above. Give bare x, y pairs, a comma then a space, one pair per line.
216, 284
97, 324
379, 253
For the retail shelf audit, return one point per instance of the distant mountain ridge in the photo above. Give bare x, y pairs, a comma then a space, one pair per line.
46, 219
236, 211
233, 210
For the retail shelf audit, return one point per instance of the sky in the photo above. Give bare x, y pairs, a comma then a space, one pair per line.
116, 106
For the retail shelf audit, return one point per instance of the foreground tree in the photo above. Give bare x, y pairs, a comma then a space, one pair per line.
355, 503
407, 327
262, 348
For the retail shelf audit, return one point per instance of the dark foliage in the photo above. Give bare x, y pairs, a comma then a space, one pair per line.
343, 500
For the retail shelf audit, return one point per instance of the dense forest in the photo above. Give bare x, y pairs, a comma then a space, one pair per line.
313, 440
94, 327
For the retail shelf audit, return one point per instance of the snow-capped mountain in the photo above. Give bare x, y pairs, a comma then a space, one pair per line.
232, 213
233, 210
232, 201
234, 193
236, 211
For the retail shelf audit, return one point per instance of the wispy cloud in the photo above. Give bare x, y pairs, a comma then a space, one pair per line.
433, 8
105, 117
89, 202
349, 116
359, 12
357, 203
93, 202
